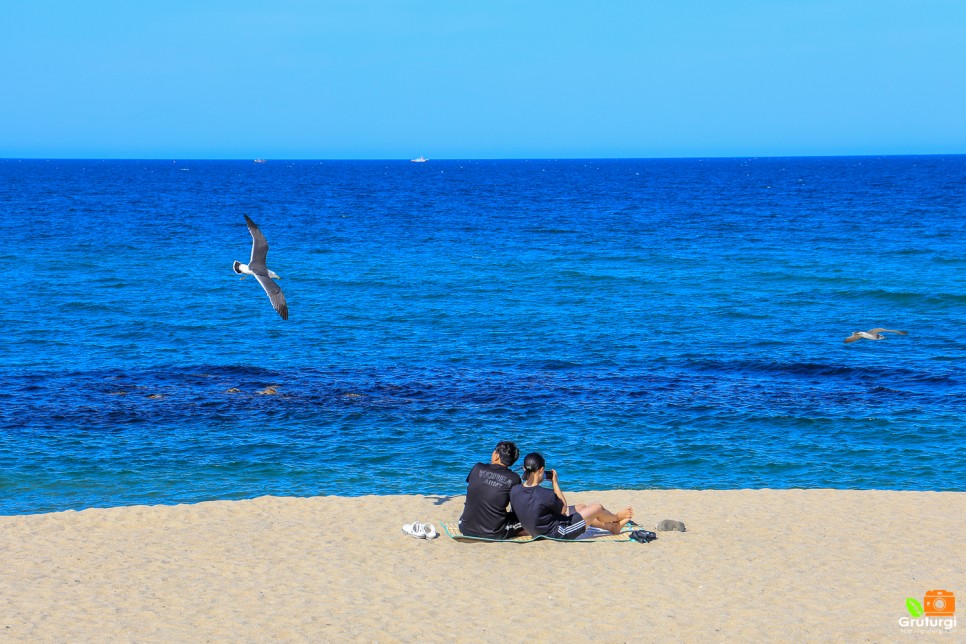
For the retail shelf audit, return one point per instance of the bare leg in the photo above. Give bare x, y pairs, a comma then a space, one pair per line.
598, 516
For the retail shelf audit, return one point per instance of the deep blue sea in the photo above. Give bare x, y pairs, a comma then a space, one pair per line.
642, 323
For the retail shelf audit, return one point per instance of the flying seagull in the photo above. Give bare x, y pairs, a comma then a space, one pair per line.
256, 266
873, 334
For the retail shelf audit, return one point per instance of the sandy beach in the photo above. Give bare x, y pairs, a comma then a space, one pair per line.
767, 565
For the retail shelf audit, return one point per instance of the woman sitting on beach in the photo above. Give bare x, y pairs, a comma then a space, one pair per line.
545, 513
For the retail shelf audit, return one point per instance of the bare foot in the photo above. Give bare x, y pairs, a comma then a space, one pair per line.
615, 527
626, 513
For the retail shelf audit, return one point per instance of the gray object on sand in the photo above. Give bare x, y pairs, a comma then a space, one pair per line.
669, 525
257, 268
872, 334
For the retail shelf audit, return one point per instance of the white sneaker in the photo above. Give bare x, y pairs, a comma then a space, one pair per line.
429, 532
414, 529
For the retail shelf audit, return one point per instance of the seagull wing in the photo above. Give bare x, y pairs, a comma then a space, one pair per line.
887, 331
852, 338
275, 294
259, 249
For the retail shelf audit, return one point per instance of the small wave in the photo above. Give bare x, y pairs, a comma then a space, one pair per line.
817, 369
905, 297
552, 231
593, 277
745, 315
792, 368
949, 260
558, 365
910, 251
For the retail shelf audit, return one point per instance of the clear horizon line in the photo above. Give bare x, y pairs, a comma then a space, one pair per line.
428, 159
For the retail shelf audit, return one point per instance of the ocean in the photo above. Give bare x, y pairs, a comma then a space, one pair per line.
642, 323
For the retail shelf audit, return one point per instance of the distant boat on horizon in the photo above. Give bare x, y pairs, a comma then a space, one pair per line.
260, 161
419, 159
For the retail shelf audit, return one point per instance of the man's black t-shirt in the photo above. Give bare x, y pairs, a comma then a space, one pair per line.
487, 497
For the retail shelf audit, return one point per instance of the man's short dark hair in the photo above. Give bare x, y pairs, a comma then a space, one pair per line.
508, 452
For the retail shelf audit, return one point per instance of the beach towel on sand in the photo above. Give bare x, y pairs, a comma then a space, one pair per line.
592, 535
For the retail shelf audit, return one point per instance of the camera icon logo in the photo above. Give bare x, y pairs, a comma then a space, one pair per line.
939, 603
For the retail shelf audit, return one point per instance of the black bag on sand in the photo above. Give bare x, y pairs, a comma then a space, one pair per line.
643, 536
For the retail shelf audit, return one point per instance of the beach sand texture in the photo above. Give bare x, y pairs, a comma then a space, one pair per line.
754, 565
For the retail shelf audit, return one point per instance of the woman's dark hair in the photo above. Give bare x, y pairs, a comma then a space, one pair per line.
532, 462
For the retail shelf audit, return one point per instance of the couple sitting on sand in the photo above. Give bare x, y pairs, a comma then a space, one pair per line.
537, 511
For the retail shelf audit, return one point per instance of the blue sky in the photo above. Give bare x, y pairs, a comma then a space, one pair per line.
366, 79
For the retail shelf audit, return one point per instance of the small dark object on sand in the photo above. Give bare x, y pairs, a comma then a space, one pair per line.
643, 536
668, 525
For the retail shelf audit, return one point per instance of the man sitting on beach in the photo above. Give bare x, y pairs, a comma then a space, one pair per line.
488, 495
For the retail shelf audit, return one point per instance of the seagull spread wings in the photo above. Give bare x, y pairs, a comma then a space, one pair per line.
275, 294
256, 267
259, 248
872, 334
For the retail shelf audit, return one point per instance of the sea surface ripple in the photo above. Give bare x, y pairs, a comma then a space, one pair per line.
642, 323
